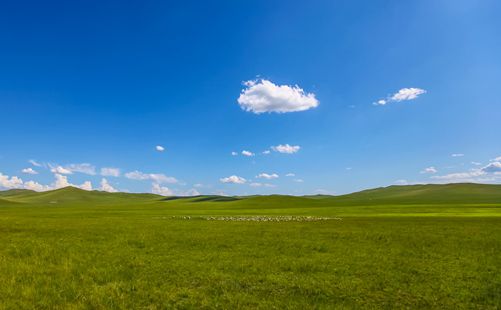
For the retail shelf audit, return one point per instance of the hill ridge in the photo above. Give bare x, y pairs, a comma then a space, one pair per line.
463, 193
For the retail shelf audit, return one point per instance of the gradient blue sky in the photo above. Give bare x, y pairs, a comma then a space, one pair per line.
105, 82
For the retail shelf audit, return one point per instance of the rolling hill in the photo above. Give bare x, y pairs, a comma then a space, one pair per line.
465, 193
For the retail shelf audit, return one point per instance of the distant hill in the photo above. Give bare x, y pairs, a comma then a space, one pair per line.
76, 196
15, 192
465, 193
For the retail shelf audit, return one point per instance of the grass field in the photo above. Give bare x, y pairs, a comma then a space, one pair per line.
398, 247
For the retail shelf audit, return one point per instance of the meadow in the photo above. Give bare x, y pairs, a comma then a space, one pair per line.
416, 247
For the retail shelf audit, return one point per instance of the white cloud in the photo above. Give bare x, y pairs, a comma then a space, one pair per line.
110, 172
70, 169
493, 167
471, 176
35, 163
290, 174
10, 182
324, 192
403, 94
234, 154
257, 184
159, 148
457, 155
286, 148
407, 94
267, 152
16, 182
247, 153
233, 179
262, 96
267, 176
60, 170
82, 168
62, 181
165, 191
190, 192
87, 185
35, 186
429, 170
29, 171
299, 180
106, 186
477, 163
401, 182
161, 190
155, 177
488, 173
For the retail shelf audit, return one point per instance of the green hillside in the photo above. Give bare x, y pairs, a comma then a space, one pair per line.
465, 193
72, 195
462, 193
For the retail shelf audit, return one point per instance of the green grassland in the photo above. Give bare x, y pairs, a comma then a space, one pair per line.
415, 247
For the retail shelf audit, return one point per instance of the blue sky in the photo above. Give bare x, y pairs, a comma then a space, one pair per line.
100, 84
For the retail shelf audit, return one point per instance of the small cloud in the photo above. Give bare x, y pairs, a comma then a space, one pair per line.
159, 148
82, 168
35, 163
267, 152
257, 184
267, 176
286, 148
247, 153
261, 96
29, 171
158, 178
493, 167
429, 170
401, 182
299, 180
106, 186
110, 172
10, 182
35, 186
161, 190
290, 174
477, 163
403, 94
189, 193
457, 155
87, 185
60, 170
233, 179
234, 154
62, 181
